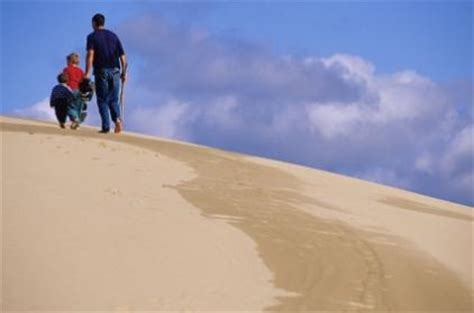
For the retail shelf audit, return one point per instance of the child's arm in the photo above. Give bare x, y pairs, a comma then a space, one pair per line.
53, 98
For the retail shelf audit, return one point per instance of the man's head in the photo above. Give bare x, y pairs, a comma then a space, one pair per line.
62, 78
98, 21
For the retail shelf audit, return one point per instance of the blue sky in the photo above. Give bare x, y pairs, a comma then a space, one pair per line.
325, 84
432, 38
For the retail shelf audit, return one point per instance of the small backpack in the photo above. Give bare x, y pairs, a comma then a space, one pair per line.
86, 89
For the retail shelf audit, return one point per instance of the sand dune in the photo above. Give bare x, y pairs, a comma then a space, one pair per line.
105, 223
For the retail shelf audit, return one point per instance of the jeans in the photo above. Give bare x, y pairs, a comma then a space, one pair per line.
107, 84
75, 107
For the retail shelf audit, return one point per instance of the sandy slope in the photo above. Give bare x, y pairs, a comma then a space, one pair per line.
108, 223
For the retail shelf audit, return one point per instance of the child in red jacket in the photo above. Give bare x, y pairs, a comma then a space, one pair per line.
73, 71
75, 76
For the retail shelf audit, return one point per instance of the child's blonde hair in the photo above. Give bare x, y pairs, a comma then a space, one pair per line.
73, 58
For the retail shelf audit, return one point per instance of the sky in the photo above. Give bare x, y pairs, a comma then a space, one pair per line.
376, 90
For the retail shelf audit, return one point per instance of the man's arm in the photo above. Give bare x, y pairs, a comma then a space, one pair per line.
124, 65
89, 62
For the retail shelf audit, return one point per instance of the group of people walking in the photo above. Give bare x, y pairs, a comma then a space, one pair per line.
106, 60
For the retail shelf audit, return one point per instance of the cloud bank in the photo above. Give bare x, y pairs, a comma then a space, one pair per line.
40, 110
335, 113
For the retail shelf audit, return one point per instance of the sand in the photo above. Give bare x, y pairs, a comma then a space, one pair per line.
108, 223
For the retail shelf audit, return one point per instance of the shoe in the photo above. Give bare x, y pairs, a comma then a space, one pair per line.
103, 131
118, 127
74, 125
62, 125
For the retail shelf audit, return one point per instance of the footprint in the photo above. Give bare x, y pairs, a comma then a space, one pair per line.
114, 191
122, 308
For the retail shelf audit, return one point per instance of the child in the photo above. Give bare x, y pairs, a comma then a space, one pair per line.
61, 100
73, 71
78, 106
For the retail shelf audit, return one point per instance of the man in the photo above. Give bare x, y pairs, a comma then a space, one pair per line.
106, 55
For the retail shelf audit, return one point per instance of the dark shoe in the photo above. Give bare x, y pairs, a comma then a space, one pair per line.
118, 127
62, 125
103, 131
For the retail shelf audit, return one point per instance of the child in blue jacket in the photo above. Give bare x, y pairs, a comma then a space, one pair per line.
61, 100
72, 104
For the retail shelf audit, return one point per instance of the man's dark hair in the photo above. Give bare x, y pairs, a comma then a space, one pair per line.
62, 78
98, 19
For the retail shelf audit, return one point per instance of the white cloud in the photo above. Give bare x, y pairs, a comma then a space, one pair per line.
459, 154
425, 163
404, 98
408, 96
40, 110
222, 112
353, 67
168, 120
335, 119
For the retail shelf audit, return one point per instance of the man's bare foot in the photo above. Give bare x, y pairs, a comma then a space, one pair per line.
118, 126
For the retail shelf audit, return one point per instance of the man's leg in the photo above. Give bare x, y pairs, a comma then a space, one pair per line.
102, 92
114, 84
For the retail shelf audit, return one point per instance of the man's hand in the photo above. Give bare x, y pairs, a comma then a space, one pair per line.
124, 66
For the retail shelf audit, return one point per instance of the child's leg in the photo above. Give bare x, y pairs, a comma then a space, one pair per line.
83, 114
61, 114
72, 111
81, 107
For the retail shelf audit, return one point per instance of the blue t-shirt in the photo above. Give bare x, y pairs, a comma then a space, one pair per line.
107, 49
